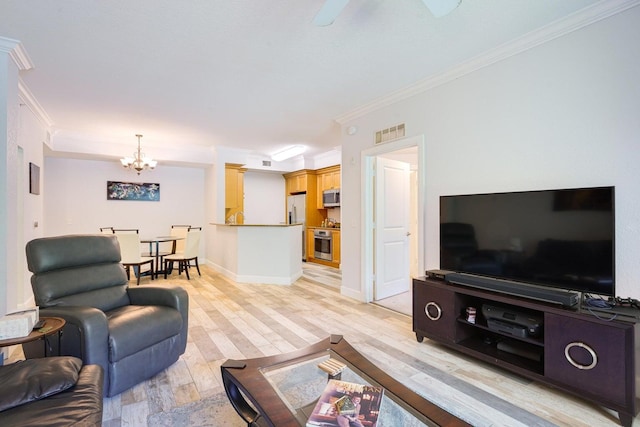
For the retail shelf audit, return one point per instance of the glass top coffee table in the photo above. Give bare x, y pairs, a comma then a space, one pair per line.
282, 390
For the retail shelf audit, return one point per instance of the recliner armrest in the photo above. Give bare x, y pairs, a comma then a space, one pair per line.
169, 296
87, 324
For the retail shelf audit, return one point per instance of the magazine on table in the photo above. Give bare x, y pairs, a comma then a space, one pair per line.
346, 403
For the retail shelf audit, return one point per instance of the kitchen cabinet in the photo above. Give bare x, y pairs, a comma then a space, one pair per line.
327, 179
234, 190
335, 241
310, 245
298, 182
335, 247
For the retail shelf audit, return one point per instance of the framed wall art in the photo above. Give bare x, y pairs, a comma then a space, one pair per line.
141, 191
34, 178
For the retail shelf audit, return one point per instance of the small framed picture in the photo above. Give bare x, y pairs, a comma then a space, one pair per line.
34, 178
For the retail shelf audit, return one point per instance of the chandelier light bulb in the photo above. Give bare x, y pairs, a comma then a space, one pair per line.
139, 161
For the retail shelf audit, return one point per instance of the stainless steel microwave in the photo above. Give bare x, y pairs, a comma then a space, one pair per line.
331, 198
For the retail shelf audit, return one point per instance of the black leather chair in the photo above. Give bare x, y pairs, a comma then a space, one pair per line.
52, 392
133, 333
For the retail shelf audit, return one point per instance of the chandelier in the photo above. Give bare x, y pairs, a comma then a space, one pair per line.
139, 161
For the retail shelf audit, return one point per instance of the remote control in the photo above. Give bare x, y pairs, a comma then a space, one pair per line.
39, 325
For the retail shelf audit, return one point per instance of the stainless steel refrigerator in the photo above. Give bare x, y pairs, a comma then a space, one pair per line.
296, 211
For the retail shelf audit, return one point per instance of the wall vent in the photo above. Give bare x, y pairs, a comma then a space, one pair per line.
386, 135
266, 163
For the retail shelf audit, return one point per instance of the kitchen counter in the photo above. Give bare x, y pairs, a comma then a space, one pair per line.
258, 253
325, 228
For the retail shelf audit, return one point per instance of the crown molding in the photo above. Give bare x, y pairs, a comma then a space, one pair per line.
32, 103
17, 53
559, 28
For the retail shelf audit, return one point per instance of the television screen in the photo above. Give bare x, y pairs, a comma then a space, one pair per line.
557, 238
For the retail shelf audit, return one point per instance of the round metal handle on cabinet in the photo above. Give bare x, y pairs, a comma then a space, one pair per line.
438, 311
594, 356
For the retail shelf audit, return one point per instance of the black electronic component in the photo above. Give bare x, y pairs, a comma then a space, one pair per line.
556, 296
516, 321
39, 324
438, 274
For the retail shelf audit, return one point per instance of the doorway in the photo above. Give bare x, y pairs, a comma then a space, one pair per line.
377, 257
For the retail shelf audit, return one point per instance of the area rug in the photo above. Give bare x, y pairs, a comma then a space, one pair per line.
213, 411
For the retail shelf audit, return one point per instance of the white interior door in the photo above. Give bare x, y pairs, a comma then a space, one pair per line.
392, 192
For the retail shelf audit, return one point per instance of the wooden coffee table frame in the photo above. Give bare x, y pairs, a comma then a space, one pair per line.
243, 378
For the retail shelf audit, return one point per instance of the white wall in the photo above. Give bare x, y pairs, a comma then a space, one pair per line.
21, 137
8, 105
75, 198
31, 136
563, 114
8, 108
210, 200
264, 201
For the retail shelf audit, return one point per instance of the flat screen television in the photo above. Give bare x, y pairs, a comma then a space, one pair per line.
555, 238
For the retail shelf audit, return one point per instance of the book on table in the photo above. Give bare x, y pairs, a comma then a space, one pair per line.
347, 400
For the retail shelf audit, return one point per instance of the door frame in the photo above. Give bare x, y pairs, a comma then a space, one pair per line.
367, 206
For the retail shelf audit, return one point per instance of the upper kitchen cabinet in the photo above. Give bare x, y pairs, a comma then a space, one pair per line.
234, 190
327, 179
298, 181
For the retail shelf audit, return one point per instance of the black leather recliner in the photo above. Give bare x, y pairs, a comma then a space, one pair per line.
133, 333
52, 392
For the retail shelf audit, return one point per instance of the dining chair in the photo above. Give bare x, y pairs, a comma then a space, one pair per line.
106, 230
179, 231
131, 231
130, 254
191, 249
177, 246
193, 228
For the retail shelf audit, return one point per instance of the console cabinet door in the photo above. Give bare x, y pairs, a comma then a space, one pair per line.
590, 357
434, 314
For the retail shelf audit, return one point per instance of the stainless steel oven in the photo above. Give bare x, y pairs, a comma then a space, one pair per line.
322, 245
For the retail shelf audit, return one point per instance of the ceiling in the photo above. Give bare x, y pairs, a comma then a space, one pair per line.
247, 74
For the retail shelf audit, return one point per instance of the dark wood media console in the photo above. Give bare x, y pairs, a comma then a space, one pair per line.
575, 351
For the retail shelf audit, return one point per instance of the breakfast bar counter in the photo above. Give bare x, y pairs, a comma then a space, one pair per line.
259, 253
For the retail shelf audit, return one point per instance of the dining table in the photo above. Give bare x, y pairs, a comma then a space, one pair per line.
154, 248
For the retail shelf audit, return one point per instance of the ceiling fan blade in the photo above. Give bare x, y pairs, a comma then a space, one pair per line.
440, 8
329, 12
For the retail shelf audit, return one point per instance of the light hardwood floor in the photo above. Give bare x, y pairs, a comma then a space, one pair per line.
231, 320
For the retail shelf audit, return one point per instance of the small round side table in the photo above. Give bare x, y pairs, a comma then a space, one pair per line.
52, 325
